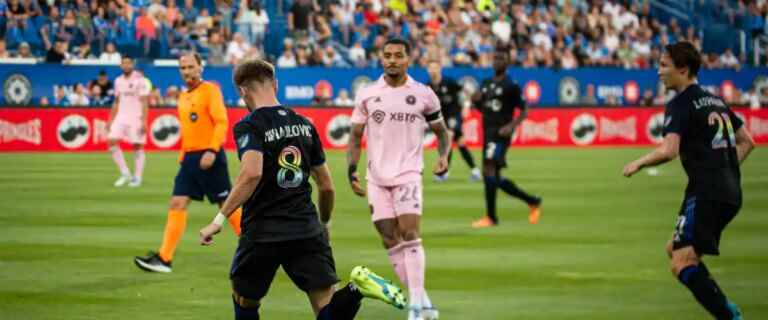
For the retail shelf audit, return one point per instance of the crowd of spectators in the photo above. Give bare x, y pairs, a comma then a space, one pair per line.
347, 33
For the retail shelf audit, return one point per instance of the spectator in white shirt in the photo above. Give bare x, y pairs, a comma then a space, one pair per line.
286, 60
729, 60
110, 55
237, 49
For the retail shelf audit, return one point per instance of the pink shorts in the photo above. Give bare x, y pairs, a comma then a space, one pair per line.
390, 202
128, 131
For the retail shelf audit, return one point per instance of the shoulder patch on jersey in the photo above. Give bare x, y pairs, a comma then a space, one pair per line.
242, 142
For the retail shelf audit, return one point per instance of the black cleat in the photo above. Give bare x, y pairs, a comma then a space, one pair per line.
152, 263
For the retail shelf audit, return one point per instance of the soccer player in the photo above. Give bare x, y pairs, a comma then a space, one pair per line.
128, 122
712, 142
448, 91
203, 170
497, 99
279, 150
393, 112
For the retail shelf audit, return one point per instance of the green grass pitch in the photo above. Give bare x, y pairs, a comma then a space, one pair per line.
67, 239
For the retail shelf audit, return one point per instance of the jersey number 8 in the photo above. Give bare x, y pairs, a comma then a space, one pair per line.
290, 161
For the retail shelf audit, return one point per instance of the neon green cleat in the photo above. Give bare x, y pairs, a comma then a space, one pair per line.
373, 286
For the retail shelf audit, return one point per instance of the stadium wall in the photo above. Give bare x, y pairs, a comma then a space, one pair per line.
85, 129
25, 84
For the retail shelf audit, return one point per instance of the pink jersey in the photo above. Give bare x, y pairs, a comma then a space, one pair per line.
130, 90
395, 120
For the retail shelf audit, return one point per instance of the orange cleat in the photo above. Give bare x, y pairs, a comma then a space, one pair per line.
534, 214
483, 222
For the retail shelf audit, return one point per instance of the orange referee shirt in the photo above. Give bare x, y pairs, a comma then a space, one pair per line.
203, 118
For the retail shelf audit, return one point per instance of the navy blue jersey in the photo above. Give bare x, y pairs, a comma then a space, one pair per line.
281, 207
707, 129
448, 92
498, 103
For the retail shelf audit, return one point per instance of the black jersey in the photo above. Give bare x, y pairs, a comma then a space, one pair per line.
707, 129
448, 92
498, 103
281, 207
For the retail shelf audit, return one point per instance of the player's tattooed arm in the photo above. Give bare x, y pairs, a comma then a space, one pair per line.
353, 157
443, 145
744, 144
667, 151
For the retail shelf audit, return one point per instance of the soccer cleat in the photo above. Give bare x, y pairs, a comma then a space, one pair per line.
152, 263
483, 222
735, 311
135, 182
430, 313
475, 175
415, 313
535, 213
123, 180
373, 286
441, 177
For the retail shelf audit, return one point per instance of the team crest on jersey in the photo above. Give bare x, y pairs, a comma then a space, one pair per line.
282, 112
193, 116
410, 99
379, 116
444, 89
499, 91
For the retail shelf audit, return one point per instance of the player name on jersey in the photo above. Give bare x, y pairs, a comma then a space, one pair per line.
708, 102
288, 131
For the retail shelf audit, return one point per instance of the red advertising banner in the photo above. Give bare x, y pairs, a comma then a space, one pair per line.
85, 129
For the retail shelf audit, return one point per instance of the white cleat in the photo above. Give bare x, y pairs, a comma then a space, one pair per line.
475, 175
441, 178
430, 313
122, 181
135, 183
414, 313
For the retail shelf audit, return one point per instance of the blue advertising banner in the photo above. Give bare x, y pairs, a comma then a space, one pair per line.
26, 84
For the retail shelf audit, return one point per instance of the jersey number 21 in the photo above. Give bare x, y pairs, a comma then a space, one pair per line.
724, 130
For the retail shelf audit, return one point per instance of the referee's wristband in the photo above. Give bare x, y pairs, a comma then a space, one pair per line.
351, 170
219, 219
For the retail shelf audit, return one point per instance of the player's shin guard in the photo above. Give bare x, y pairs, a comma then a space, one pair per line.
415, 264
139, 158
343, 306
705, 289
397, 259
467, 156
174, 230
117, 156
246, 312
234, 220
491, 185
511, 189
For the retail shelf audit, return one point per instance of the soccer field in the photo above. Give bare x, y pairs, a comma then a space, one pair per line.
67, 240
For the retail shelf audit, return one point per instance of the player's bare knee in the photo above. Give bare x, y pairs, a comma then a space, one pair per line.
390, 242
409, 235
178, 203
244, 302
489, 170
668, 248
